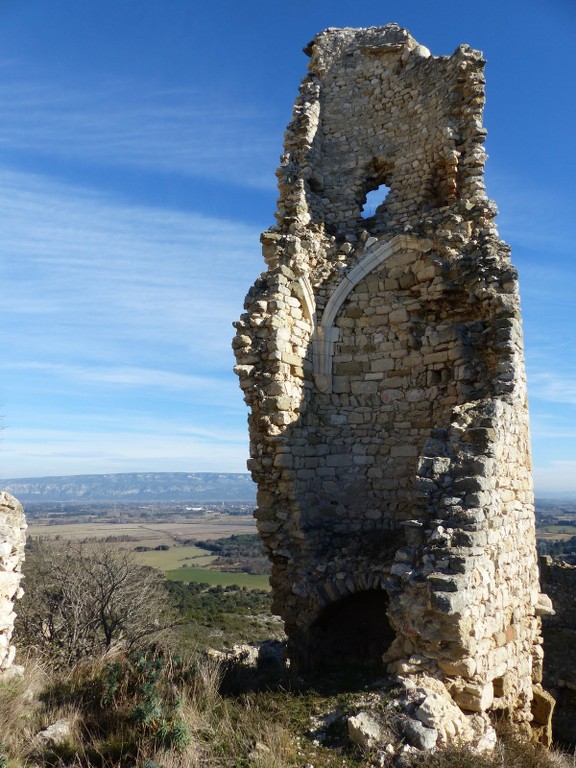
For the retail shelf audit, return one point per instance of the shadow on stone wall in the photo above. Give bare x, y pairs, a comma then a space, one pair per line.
558, 581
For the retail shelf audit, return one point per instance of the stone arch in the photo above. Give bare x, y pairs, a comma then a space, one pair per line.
326, 333
303, 291
353, 630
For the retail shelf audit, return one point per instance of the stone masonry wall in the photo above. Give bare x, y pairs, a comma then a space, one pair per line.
12, 543
381, 357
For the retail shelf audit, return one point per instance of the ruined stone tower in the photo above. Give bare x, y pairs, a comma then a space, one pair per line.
381, 357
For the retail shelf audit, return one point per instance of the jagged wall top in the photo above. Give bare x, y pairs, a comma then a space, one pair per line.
378, 109
333, 43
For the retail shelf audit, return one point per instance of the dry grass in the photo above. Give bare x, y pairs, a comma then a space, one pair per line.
509, 753
222, 732
266, 730
20, 715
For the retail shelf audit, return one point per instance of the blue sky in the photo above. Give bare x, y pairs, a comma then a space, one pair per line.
138, 143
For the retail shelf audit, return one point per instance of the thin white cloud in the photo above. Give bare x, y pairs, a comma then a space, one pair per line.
90, 273
178, 131
533, 216
94, 443
114, 314
202, 388
48, 453
552, 387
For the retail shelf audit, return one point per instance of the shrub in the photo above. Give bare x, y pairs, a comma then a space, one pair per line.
83, 600
126, 708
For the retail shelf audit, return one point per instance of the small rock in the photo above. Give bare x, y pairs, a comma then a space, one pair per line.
418, 735
364, 731
260, 749
16, 670
57, 733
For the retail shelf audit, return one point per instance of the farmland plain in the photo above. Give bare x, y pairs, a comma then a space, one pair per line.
178, 557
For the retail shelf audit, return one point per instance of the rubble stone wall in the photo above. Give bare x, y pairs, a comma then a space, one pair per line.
12, 543
381, 357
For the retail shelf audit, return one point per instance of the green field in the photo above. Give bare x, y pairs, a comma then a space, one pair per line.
175, 557
221, 578
564, 528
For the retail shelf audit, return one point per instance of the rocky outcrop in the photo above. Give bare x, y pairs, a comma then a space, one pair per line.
12, 543
381, 356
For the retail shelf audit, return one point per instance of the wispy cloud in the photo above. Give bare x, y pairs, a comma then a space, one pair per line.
110, 281
179, 131
553, 387
115, 327
534, 216
212, 387
46, 452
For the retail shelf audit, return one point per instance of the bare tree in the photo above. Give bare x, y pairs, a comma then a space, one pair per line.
82, 599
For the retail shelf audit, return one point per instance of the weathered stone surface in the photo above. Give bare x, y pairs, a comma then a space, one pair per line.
381, 357
12, 543
364, 730
419, 735
438, 711
542, 708
56, 734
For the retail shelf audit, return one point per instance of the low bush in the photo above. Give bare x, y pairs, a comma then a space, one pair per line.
82, 600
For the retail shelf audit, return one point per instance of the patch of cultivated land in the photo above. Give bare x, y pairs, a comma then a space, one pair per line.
150, 533
180, 562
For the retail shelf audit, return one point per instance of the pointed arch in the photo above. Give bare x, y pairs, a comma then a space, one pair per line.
325, 332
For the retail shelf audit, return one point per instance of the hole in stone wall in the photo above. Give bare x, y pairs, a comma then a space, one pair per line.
374, 199
353, 631
498, 687
315, 185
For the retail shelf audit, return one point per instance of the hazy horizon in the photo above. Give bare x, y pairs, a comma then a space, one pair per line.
538, 493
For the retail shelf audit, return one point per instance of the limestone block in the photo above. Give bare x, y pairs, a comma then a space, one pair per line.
438, 711
458, 668
56, 734
365, 731
476, 697
419, 735
544, 606
542, 708
12, 543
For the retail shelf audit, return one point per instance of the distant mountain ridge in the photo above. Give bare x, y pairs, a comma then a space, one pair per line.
135, 486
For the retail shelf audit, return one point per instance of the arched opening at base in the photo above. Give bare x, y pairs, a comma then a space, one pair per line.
353, 631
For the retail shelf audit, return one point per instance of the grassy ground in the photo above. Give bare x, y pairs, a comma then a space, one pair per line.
556, 531
158, 711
